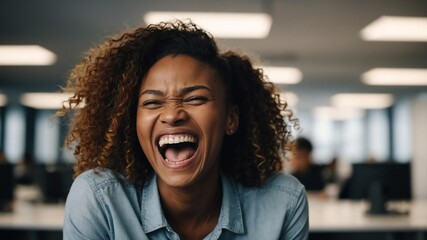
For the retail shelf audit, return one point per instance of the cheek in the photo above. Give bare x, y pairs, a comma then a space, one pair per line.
144, 127
212, 122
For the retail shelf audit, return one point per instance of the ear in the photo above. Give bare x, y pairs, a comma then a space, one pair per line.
232, 121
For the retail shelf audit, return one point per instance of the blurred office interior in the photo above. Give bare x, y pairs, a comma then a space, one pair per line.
323, 56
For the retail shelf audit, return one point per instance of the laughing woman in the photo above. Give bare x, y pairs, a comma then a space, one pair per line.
175, 140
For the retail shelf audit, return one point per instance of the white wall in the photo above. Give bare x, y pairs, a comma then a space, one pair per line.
14, 134
419, 163
46, 140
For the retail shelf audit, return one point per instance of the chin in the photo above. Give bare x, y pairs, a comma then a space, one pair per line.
178, 180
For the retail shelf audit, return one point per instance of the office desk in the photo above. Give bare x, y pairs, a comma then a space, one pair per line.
31, 214
28, 216
32, 219
349, 219
329, 219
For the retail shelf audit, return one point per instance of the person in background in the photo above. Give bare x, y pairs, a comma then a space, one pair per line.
176, 140
25, 170
2, 158
302, 167
330, 174
7, 185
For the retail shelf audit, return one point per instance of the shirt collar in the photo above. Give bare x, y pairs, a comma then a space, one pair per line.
230, 217
151, 210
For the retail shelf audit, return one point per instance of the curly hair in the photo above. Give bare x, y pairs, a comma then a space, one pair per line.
106, 83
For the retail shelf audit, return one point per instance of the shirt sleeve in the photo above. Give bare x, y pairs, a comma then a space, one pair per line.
296, 227
85, 215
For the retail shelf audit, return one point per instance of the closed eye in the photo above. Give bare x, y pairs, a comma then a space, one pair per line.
196, 100
152, 104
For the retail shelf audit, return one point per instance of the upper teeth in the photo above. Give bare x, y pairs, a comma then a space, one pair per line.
174, 139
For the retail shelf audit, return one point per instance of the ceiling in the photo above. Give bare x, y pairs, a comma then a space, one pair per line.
321, 38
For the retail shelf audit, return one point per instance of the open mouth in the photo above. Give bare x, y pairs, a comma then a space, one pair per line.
176, 149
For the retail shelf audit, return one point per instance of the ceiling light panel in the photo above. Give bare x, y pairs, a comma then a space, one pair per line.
337, 114
396, 76
3, 100
44, 100
395, 28
290, 98
220, 24
362, 100
283, 75
25, 55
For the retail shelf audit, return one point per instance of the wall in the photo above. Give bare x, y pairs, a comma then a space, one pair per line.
419, 164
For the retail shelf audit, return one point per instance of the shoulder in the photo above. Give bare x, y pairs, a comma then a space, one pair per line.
279, 190
99, 178
279, 205
284, 182
88, 211
279, 183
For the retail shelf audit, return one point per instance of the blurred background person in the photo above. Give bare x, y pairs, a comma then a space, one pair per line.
25, 170
302, 167
7, 185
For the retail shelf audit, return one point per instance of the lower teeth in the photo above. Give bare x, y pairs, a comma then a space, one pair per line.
175, 162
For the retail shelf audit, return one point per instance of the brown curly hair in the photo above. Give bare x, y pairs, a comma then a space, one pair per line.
106, 83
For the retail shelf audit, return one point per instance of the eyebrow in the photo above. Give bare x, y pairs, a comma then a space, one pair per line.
187, 90
150, 91
182, 92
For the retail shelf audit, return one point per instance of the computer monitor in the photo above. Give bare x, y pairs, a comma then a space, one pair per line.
379, 183
7, 186
55, 181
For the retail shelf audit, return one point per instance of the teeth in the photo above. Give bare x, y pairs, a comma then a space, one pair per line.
175, 139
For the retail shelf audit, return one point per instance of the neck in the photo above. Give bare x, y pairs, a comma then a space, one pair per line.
192, 209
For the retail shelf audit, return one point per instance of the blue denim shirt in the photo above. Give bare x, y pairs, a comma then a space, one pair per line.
101, 206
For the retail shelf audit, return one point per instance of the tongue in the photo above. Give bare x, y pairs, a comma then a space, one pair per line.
176, 155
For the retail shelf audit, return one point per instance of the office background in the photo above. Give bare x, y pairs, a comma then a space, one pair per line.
323, 40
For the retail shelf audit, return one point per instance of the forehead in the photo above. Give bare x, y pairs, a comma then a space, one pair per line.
174, 72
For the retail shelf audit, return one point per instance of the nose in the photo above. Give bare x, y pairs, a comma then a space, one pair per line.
173, 115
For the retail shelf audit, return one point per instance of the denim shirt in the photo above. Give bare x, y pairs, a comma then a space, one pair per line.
103, 206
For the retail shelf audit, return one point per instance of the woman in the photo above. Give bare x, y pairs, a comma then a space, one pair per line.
178, 141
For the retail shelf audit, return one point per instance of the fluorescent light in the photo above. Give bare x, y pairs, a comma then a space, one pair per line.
3, 100
283, 75
395, 76
44, 100
337, 114
219, 24
26, 55
362, 100
392, 28
290, 98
